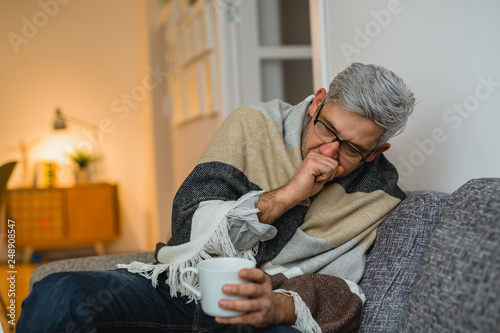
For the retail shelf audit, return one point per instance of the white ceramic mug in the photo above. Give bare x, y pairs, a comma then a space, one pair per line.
213, 274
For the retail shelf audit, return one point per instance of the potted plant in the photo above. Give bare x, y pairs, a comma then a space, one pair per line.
82, 159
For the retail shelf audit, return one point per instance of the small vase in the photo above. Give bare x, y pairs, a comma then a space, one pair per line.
82, 175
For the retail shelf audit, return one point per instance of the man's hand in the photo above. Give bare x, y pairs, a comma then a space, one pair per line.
314, 172
263, 308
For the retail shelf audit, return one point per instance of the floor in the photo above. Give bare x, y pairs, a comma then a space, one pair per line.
14, 293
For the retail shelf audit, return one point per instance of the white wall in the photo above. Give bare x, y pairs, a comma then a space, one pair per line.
86, 57
448, 52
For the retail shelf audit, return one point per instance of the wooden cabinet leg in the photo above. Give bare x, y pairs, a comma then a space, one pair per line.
28, 255
99, 249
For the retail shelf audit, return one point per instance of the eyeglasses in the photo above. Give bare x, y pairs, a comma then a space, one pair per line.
326, 134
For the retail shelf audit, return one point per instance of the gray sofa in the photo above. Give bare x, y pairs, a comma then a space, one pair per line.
435, 266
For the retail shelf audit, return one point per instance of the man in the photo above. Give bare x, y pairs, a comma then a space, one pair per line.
300, 190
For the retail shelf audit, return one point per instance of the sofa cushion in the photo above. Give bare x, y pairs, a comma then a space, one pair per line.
393, 261
95, 263
457, 288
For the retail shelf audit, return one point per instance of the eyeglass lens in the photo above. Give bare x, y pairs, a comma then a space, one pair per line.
345, 151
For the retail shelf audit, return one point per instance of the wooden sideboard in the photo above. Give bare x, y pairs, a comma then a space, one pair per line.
58, 218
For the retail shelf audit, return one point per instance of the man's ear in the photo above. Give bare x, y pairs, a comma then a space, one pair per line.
378, 151
319, 97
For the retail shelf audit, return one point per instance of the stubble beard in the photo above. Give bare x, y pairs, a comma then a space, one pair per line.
303, 139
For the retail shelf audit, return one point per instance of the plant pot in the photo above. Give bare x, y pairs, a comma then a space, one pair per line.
82, 176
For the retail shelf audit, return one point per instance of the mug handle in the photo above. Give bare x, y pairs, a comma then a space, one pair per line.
187, 284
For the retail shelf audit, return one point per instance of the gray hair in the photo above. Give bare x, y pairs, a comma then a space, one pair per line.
375, 93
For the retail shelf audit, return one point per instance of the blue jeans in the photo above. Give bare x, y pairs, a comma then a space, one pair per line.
115, 301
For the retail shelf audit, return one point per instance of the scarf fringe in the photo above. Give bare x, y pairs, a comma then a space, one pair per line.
219, 245
305, 321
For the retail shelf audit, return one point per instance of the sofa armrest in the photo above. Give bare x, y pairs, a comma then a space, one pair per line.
94, 263
393, 261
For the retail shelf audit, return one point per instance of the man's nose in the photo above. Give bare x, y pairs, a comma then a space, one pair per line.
330, 149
